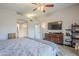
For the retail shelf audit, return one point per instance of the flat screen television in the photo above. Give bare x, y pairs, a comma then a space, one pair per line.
55, 25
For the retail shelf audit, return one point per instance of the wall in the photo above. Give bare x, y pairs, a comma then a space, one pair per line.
7, 23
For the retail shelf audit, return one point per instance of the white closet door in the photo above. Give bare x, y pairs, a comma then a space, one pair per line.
31, 30
37, 31
34, 31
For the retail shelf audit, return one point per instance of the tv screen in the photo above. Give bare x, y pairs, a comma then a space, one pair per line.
54, 26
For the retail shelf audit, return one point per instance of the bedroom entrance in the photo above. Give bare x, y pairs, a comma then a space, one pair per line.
21, 28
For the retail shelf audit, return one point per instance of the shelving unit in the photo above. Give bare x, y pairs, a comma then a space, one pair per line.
68, 37
73, 33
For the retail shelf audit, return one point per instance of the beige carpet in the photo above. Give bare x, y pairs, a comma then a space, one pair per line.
68, 51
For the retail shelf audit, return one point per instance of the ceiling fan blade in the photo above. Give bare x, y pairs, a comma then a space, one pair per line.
19, 13
44, 11
34, 3
34, 9
49, 5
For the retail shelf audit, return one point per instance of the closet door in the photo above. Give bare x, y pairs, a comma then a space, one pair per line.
31, 30
37, 31
34, 31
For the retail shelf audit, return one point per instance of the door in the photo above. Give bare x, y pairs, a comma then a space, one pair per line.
31, 30
37, 31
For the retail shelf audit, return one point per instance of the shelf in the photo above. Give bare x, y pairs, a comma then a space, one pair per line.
75, 25
75, 38
74, 31
68, 29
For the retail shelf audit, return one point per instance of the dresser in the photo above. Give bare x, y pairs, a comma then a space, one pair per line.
11, 35
54, 37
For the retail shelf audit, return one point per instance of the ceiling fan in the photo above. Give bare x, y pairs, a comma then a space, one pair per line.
42, 6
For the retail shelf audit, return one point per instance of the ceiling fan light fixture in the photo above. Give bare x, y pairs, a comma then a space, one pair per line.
42, 7
50, 5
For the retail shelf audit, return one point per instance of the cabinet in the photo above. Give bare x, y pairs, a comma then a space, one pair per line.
54, 37
11, 35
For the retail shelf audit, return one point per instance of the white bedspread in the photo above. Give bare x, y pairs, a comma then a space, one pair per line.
27, 47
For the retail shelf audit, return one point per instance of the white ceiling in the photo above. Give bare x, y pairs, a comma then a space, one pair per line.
28, 7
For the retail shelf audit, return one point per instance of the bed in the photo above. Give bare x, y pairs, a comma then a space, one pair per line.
28, 47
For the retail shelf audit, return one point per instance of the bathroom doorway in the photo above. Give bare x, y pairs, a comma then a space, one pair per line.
22, 28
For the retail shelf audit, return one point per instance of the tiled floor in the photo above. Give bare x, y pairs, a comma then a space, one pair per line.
68, 51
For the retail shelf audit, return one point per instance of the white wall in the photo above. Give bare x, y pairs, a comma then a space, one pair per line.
7, 23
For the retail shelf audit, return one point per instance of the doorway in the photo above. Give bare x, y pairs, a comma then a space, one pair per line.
21, 29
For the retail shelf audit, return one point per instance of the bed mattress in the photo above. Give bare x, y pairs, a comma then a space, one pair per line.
28, 47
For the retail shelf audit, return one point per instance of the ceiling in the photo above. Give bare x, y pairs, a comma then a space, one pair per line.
26, 8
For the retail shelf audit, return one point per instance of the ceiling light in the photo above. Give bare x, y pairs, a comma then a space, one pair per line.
30, 15
44, 25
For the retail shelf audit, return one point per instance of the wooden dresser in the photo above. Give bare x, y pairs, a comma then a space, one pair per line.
11, 35
54, 37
